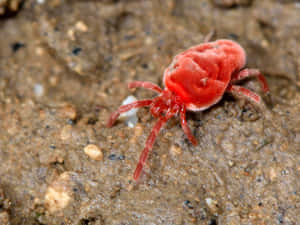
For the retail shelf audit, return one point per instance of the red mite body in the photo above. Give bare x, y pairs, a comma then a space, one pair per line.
201, 74
195, 80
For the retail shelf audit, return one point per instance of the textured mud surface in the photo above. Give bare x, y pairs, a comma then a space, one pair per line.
64, 66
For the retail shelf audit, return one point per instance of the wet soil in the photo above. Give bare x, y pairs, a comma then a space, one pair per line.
64, 66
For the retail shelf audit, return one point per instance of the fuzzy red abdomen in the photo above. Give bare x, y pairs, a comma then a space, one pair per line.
201, 74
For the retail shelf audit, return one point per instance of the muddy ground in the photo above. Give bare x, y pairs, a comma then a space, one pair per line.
64, 66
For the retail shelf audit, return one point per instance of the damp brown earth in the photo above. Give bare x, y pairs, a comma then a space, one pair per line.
64, 66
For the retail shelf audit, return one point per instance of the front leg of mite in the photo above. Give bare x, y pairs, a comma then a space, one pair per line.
124, 108
146, 85
185, 126
148, 147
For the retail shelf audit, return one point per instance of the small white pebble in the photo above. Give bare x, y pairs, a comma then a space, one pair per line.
38, 90
131, 123
208, 201
93, 151
212, 205
81, 26
129, 117
230, 163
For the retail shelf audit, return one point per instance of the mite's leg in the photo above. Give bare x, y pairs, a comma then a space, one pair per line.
245, 73
242, 92
185, 126
124, 108
148, 147
146, 85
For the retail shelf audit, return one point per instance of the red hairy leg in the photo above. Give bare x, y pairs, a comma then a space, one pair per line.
124, 108
185, 126
244, 92
148, 146
146, 85
245, 73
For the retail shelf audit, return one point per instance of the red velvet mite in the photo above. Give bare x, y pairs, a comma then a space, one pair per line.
195, 80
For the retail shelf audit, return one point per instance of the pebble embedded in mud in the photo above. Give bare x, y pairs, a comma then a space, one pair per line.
129, 117
69, 111
231, 163
175, 150
94, 152
212, 205
66, 132
272, 174
56, 200
38, 90
59, 193
81, 26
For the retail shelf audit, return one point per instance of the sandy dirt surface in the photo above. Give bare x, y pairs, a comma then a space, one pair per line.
64, 67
